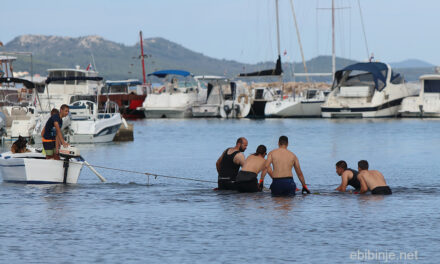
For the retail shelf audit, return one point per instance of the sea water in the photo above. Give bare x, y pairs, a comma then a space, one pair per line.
133, 219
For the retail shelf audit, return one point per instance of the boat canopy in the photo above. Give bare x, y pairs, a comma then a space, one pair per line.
272, 72
26, 83
164, 73
378, 71
73, 78
117, 83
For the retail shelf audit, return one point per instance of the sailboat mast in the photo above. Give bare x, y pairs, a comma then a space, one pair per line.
278, 29
143, 63
278, 42
299, 41
333, 41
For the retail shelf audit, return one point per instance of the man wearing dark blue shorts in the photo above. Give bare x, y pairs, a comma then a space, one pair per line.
52, 133
283, 161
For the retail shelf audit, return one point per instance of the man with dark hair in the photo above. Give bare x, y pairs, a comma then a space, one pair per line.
228, 164
246, 180
348, 176
283, 161
52, 133
371, 180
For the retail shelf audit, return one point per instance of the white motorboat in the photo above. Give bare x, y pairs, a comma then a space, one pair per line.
214, 96
427, 103
86, 125
33, 167
18, 108
176, 98
236, 101
308, 105
79, 89
368, 89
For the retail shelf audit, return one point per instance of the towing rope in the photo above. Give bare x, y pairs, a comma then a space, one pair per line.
155, 175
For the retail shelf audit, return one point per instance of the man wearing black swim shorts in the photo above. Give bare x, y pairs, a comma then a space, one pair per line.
372, 180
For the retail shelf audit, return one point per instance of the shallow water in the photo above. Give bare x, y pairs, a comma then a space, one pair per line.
175, 221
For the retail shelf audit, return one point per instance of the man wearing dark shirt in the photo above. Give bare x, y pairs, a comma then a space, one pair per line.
52, 133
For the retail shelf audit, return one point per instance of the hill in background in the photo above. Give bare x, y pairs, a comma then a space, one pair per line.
118, 61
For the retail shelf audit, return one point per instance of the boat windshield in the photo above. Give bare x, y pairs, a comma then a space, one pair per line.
360, 78
68, 75
432, 86
114, 89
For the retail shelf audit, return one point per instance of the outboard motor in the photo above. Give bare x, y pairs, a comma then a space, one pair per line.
67, 154
227, 109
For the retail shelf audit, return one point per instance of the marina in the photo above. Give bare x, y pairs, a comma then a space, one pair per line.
270, 131
180, 220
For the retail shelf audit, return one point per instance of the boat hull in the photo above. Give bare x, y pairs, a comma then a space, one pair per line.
206, 111
167, 113
391, 111
37, 170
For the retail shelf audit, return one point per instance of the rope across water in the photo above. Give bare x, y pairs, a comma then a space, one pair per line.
147, 173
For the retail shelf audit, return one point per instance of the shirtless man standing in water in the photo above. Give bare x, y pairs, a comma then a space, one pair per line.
246, 180
282, 177
371, 180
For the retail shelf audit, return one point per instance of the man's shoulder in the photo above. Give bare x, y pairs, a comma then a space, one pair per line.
56, 118
347, 172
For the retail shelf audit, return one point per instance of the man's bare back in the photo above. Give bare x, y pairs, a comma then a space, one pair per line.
372, 178
283, 160
254, 164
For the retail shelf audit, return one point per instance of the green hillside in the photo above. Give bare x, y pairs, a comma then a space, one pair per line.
118, 61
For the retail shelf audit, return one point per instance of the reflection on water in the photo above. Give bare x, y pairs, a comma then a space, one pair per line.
175, 221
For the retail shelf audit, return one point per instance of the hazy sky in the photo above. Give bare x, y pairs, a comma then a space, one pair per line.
242, 30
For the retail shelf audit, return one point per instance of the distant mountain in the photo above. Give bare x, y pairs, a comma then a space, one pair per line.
411, 63
118, 61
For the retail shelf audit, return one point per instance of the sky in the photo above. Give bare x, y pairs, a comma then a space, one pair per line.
242, 30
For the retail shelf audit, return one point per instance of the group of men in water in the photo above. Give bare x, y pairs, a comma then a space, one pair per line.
279, 165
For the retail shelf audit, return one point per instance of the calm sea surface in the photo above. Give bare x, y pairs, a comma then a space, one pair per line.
176, 221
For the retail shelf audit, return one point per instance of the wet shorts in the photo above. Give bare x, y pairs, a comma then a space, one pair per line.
246, 181
49, 148
226, 185
381, 190
283, 186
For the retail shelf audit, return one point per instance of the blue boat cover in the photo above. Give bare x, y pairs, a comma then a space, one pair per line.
164, 73
379, 71
129, 83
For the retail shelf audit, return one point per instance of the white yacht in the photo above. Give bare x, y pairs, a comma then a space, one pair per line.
427, 104
65, 86
302, 105
176, 98
79, 89
17, 99
368, 89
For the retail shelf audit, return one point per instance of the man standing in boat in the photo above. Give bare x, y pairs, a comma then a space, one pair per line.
229, 164
52, 133
283, 160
